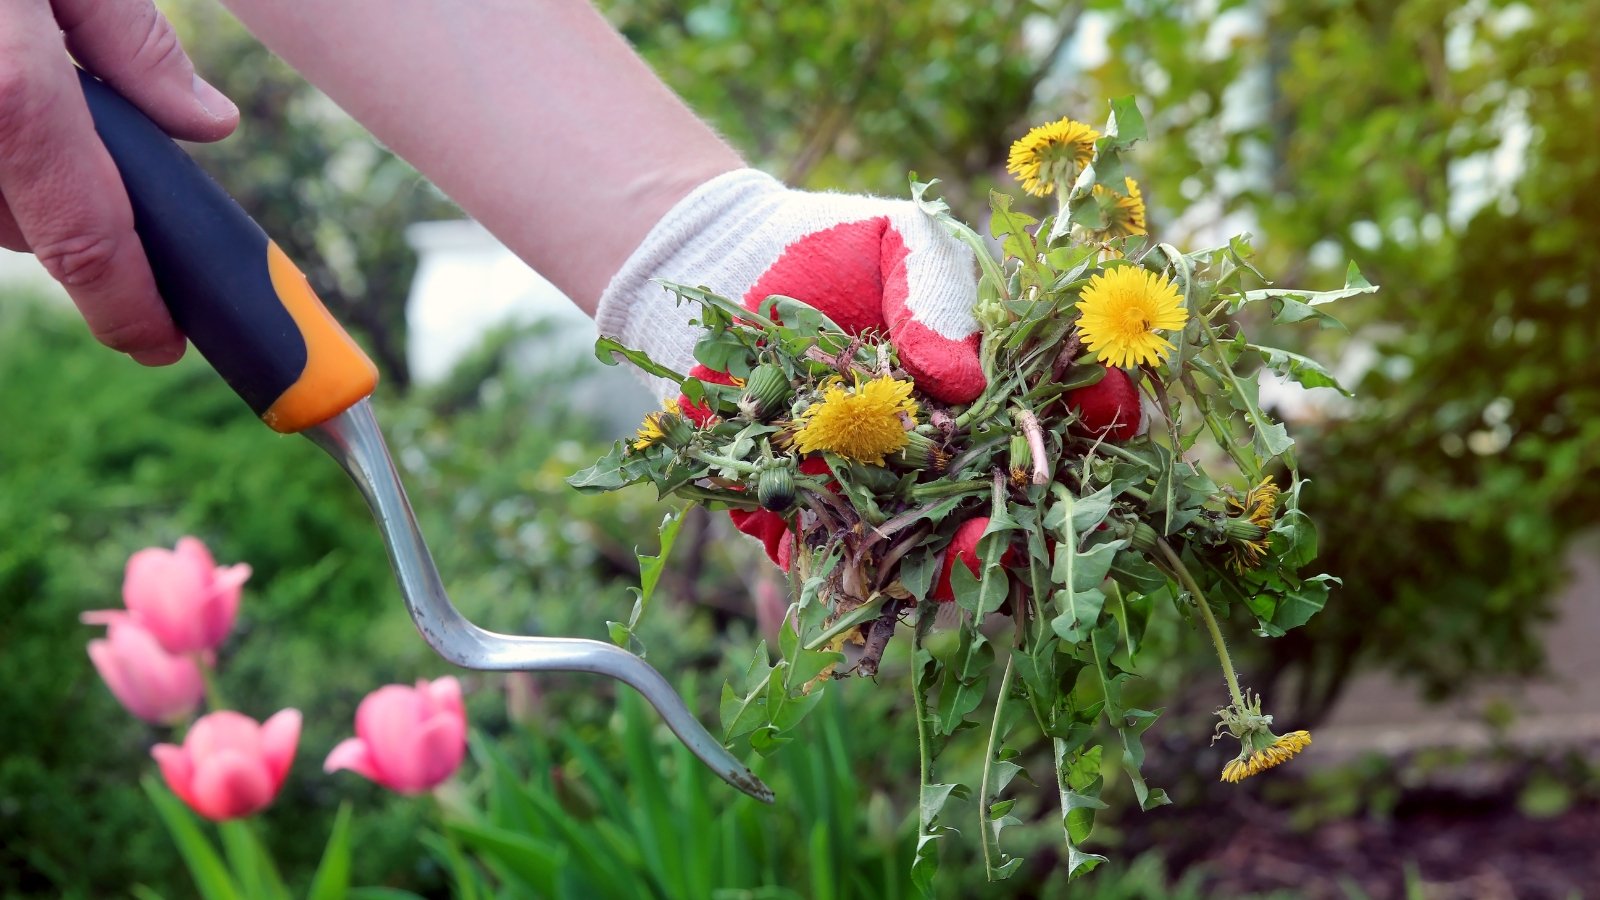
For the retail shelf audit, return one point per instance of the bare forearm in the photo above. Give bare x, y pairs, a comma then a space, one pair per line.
534, 115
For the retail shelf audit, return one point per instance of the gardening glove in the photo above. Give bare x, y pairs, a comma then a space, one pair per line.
867, 263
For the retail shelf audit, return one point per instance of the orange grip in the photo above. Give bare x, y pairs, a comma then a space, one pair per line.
337, 372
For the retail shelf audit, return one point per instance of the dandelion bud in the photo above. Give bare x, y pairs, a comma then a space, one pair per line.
1020, 460
775, 488
1144, 538
922, 452
679, 432
765, 391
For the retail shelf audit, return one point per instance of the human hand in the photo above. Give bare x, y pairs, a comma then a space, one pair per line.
60, 196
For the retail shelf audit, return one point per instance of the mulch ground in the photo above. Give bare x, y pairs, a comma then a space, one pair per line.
1434, 844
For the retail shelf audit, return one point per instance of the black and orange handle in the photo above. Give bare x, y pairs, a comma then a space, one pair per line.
242, 303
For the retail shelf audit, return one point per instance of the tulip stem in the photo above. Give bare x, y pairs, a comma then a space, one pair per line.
208, 678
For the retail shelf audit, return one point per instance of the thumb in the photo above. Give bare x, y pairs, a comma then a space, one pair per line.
134, 48
929, 288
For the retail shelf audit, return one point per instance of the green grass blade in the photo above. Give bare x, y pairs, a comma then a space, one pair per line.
242, 858
252, 864
464, 878
536, 863
332, 879
210, 873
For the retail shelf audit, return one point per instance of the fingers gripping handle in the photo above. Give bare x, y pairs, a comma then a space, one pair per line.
234, 294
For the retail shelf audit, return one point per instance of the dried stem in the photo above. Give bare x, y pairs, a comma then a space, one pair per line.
840, 363
1069, 354
878, 634
1029, 423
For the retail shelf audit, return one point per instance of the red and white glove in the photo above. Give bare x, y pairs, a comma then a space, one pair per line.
867, 263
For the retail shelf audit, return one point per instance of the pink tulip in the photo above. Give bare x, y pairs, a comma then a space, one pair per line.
229, 766
182, 596
407, 739
150, 682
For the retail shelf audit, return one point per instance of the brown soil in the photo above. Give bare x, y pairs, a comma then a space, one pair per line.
1438, 846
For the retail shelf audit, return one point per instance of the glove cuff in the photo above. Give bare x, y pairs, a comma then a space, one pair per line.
703, 232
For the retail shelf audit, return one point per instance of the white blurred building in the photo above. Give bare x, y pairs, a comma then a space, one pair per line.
468, 284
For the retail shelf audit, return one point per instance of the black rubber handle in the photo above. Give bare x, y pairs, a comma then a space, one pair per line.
243, 305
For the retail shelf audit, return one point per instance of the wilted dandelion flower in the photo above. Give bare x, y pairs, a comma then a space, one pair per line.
1259, 749
864, 423
1122, 309
1280, 750
1124, 212
1247, 533
1051, 153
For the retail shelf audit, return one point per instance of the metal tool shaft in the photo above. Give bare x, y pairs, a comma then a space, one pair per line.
353, 438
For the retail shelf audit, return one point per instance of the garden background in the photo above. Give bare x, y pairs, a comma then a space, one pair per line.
1446, 147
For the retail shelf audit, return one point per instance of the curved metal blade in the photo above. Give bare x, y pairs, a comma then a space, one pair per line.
353, 438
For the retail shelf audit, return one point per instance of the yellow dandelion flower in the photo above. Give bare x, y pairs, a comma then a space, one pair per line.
864, 423
1050, 154
654, 427
1122, 309
1281, 750
1124, 212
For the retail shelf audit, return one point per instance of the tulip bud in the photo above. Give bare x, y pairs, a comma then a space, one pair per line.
147, 680
765, 391
407, 739
182, 596
229, 766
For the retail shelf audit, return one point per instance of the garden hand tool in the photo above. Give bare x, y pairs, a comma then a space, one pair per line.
250, 312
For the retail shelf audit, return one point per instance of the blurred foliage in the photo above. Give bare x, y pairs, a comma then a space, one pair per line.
336, 201
851, 94
1446, 147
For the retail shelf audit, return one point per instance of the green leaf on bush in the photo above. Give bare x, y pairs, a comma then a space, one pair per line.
533, 863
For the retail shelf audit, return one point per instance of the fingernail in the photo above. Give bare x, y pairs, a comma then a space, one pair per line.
159, 356
219, 106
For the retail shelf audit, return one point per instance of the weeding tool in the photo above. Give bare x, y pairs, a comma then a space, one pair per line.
251, 313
